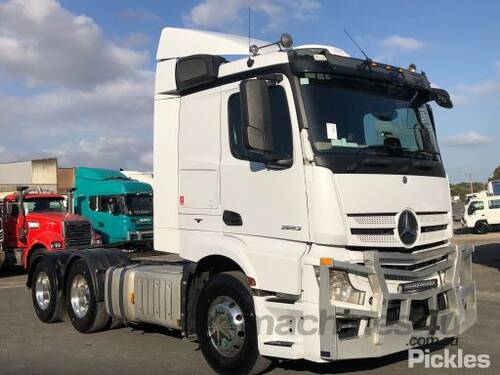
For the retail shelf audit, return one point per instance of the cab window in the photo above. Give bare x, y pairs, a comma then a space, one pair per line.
494, 203
111, 204
93, 203
13, 209
475, 206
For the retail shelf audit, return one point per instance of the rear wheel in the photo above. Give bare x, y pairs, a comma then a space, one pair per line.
226, 326
86, 313
482, 227
47, 299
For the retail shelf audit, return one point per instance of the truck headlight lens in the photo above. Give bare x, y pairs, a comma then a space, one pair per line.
341, 289
96, 239
33, 224
56, 245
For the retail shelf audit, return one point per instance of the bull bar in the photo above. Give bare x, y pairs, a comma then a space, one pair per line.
454, 263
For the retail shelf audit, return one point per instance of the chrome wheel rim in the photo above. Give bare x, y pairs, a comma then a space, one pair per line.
226, 326
80, 296
42, 290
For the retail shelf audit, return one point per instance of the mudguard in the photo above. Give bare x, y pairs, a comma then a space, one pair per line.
98, 260
56, 262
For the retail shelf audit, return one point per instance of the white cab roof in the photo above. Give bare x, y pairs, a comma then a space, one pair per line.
177, 42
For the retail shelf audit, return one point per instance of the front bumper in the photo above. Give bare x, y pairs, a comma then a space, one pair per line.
13, 257
380, 337
140, 236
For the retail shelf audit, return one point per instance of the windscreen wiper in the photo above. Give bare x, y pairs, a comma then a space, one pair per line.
363, 157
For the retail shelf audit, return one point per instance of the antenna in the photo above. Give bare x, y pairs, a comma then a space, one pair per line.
357, 45
249, 61
249, 29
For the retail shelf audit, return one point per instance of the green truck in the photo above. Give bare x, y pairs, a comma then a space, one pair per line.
119, 208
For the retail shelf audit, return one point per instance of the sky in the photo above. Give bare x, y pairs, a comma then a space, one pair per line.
76, 76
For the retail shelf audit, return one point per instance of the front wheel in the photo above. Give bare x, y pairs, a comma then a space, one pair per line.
86, 313
46, 297
482, 227
226, 326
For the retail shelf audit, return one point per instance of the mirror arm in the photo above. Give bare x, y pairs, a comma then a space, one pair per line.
279, 164
275, 77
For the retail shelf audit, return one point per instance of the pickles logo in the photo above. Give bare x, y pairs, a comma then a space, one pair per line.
447, 359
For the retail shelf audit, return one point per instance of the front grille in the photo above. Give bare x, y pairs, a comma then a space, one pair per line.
1, 237
147, 236
380, 229
416, 266
77, 233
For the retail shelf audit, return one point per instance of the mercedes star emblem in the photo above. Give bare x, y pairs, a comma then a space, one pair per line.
408, 227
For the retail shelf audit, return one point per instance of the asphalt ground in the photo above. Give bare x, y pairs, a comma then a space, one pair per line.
28, 346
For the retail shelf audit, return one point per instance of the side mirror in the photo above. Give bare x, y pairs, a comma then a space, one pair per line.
256, 115
441, 97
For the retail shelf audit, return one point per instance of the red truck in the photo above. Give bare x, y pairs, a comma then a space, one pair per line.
35, 222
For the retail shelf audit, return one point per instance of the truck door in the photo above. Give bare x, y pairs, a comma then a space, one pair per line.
257, 200
11, 224
106, 214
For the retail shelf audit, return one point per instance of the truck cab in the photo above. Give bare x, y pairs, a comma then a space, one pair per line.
305, 193
40, 222
2, 252
482, 214
120, 208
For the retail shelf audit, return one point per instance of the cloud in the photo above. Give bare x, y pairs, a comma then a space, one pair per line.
483, 88
136, 40
221, 14
138, 15
396, 42
458, 99
109, 126
126, 152
95, 106
121, 105
43, 43
470, 138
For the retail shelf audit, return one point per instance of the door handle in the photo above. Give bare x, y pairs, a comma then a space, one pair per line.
101, 224
232, 218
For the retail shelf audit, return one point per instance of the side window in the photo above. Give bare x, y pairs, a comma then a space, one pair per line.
111, 205
93, 203
494, 203
282, 127
13, 209
475, 206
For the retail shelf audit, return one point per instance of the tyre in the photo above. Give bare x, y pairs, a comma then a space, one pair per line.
482, 227
86, 314
226, 326
47, 299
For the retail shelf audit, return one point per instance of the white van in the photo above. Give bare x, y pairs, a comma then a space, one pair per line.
482, 213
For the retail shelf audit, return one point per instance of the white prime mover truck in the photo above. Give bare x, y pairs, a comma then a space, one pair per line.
304, 192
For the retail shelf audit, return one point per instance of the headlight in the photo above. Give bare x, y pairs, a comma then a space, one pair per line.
33, 224
56, 245
341, 289
96, 239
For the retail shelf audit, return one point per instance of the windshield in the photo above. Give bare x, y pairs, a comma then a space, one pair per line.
139, 205
348, 115
44, 205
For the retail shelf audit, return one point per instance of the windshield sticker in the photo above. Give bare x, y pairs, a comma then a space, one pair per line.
304, 81
331, 131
